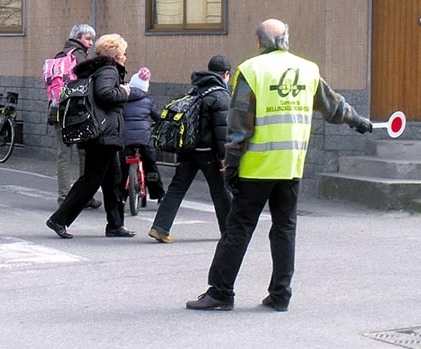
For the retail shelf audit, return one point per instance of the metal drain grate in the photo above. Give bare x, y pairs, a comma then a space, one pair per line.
409, 337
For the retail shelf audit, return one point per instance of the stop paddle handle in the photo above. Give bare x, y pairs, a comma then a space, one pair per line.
395, 125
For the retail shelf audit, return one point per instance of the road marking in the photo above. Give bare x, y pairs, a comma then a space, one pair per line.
28, 173
16, 252
25, 191
195, 205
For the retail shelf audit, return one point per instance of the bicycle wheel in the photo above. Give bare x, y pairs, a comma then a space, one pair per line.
7, 140
134, 190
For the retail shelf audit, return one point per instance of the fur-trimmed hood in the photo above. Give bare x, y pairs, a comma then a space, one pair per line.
109, 97
90, 66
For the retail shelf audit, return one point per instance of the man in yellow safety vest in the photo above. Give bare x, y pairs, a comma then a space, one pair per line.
269, 126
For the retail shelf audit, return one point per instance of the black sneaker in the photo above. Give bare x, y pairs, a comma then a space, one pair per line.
268, 302
206, 302
121, 232
60, 230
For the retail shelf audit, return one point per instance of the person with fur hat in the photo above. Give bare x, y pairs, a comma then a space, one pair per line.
139, 113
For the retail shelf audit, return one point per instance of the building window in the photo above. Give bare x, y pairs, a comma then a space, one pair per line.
186, 16
11, 17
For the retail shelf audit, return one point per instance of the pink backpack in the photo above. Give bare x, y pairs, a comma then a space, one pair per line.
56, 72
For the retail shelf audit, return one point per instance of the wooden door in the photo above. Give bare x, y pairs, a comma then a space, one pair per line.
396, 59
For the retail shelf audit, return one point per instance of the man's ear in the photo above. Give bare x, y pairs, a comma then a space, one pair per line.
259, 46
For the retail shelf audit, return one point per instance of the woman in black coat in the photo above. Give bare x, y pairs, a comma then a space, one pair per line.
102, 167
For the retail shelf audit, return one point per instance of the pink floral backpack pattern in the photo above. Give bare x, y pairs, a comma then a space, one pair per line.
56, 72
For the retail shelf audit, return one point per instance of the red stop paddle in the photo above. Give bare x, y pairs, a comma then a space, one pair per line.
395, 125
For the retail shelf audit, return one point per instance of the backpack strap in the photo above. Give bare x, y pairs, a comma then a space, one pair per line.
68, 53
211, 89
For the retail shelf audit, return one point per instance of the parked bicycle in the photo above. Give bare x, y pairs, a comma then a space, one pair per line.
8, 114
135, 182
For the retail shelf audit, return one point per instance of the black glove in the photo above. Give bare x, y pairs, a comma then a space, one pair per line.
231, 180
364, 126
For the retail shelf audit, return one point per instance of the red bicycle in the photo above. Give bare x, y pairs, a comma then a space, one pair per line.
135, 183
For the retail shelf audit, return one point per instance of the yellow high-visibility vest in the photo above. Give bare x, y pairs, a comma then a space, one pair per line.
284, 86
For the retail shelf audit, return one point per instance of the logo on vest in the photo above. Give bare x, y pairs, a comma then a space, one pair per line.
288, 84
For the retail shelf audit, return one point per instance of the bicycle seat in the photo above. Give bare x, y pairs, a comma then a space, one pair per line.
133, 159
11, 100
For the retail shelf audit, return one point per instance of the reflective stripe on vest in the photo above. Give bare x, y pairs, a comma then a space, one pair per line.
284, 86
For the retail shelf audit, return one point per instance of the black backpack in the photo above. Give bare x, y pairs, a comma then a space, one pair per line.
77, 116
178, 129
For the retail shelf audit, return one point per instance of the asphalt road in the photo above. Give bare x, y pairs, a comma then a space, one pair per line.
357, 281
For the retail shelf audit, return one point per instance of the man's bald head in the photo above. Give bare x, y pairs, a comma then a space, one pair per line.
273, 33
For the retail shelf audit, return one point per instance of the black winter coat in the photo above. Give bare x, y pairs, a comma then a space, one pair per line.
109, 97
215, 110
139, 113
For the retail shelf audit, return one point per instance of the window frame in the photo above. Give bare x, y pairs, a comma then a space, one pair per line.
184, 29
17, 30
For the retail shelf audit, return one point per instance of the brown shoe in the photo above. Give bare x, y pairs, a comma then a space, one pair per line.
93, 203
153, 233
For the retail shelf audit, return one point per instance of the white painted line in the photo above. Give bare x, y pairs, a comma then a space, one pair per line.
36, 175
16, 252
194, 205
186, 222
28, 173
25, 191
